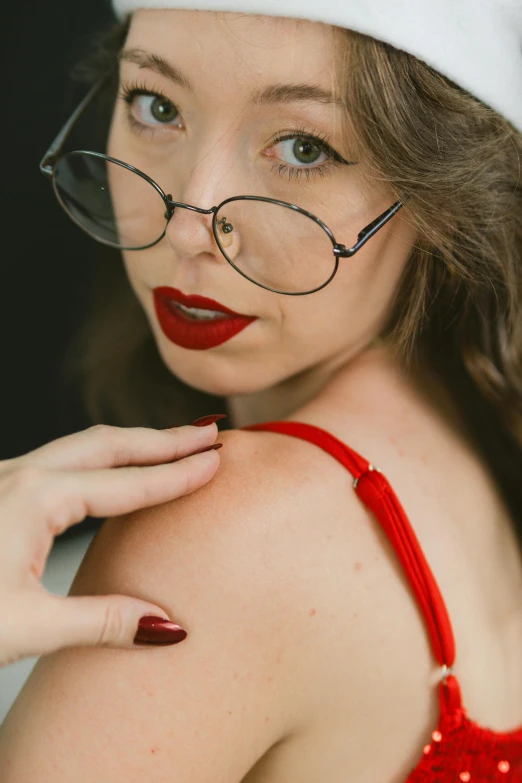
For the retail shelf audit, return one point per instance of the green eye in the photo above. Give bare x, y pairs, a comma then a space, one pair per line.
302, 149
162, 110
148, 108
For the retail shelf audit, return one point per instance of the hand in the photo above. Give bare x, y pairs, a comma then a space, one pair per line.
90, 473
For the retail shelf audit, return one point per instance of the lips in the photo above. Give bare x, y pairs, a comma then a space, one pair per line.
187, 332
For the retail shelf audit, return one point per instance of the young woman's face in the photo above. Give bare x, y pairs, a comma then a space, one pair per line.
205, 140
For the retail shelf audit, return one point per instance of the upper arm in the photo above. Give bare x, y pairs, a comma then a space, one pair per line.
202, 711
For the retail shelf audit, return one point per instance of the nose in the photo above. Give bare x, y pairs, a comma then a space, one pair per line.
211, 177
189, 231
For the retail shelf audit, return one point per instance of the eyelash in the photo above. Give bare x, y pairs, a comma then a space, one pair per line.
320, 140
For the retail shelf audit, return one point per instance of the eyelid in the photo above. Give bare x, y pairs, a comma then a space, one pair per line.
134, 87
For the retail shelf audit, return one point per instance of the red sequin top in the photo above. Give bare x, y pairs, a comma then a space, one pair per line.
460, 750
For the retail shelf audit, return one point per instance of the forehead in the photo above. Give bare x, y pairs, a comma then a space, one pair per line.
252, 48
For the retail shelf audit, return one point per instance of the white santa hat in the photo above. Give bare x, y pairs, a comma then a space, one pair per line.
475, 43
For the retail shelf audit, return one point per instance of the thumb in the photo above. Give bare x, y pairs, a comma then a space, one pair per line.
101, 621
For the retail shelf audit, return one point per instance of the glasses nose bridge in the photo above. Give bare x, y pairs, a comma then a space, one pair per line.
171, 204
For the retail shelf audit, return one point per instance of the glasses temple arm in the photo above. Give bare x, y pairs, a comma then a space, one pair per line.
369, 230
48, 160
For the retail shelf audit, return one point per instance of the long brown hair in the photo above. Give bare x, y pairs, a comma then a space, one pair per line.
459, 301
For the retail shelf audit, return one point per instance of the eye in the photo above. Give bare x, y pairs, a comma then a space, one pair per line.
160, 109
307, 148
149, 108
302, 151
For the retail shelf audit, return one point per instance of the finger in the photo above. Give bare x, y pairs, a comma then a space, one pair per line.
49, 502
101, 621
103, 446
71, 496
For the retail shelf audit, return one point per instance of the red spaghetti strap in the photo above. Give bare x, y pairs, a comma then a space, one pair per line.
376, 493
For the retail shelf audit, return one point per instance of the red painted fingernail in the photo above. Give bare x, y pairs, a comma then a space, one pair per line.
204, 421
157, 630
215, 447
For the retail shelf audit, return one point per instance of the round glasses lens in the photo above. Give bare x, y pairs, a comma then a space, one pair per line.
110, 202
276, 246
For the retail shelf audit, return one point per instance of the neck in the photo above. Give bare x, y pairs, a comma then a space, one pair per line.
283, 399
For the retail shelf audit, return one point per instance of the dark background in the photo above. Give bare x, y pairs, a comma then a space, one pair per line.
46, 261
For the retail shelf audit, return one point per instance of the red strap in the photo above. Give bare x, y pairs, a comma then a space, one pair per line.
375, 492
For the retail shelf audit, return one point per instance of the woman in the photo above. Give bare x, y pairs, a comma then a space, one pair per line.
318, 644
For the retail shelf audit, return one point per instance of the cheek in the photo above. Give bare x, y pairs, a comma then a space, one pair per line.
355, 305
133, 263
337, 306
138, 208
115, 138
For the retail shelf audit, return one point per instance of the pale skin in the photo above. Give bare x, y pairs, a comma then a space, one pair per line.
99, 472
306, 657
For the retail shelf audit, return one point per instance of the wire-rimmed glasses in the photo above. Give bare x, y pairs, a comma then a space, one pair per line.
274, 244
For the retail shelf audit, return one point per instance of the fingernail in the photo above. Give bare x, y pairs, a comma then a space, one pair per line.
215, 447
157, 630
204, 421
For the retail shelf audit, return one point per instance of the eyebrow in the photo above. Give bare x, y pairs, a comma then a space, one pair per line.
273, 94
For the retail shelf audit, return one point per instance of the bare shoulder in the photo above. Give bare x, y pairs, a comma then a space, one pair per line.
236, 565
268, 557
273, 569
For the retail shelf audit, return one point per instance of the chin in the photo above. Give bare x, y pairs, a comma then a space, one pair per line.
219, 376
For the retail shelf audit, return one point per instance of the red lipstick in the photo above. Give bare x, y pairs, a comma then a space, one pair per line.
189, 332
